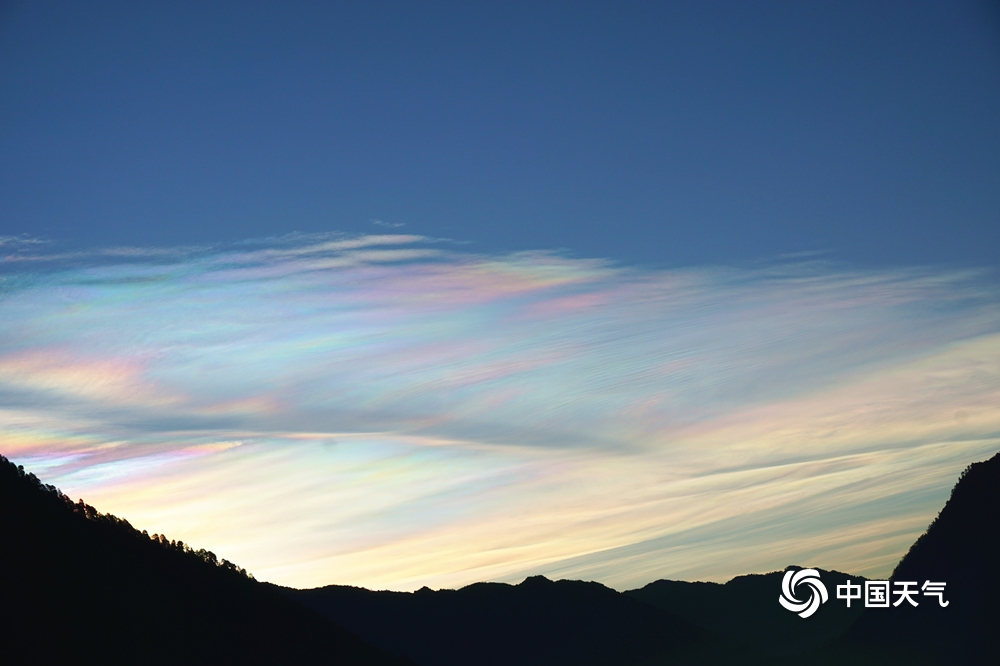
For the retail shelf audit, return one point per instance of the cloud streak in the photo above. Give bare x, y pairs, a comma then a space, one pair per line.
384, 411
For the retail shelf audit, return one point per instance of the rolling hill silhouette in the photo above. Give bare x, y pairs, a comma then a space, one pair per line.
571, 622
745, 614
82, 587
537, 622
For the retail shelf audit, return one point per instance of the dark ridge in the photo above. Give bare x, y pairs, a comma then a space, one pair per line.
539, 621
572, 622
961, 548
745, 613
80, 586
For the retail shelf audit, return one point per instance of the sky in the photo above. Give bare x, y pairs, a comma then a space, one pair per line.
397, 294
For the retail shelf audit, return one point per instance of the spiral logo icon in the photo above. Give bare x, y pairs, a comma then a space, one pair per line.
807, 578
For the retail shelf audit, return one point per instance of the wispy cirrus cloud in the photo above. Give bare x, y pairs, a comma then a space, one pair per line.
24, 240
383, 410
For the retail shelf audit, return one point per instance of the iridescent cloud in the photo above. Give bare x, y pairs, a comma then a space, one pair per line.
390, 412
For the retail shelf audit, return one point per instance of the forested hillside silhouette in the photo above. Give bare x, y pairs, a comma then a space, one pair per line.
80, 586
962, 548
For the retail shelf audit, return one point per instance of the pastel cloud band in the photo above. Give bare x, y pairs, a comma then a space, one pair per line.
386, 411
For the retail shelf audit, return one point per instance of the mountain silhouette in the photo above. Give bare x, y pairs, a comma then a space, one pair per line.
572, 622
82, 587
745, 614
962, 549
539, 621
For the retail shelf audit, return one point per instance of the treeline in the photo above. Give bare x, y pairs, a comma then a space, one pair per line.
55, 497
81, 586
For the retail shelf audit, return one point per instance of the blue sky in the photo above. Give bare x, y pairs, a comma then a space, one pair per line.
399, 294
658, 133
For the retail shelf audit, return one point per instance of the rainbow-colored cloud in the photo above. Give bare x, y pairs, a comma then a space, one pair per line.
390, 412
